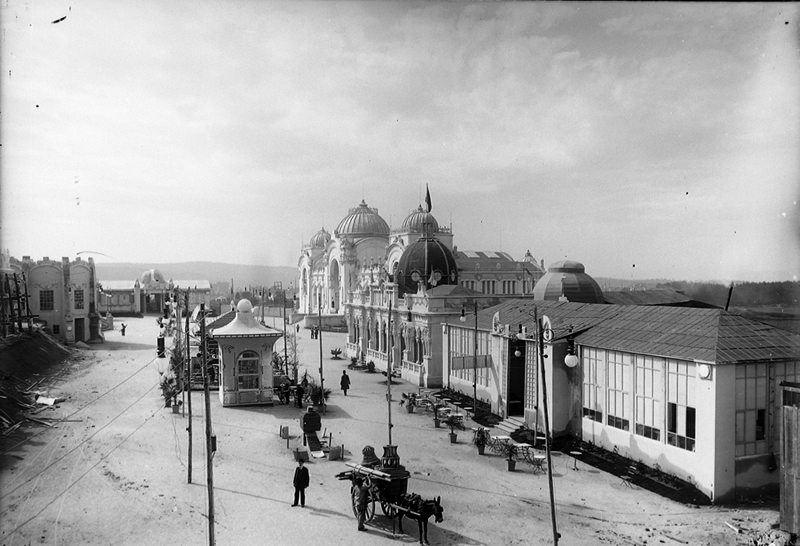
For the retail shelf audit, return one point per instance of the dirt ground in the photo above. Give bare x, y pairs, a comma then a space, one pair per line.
114, 469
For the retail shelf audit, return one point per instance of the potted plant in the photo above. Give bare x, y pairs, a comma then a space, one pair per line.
453, 422
509, 450
370, 367
480, 439
168, 389
319, 396
410, 402
336, 353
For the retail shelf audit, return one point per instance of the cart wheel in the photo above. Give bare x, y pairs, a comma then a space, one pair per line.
388, 509
354, 499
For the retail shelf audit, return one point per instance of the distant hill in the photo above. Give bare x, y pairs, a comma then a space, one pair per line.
214, 272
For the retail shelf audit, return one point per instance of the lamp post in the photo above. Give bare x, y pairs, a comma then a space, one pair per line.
541, 332
463, 318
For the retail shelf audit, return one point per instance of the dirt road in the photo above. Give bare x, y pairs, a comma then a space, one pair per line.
113, 470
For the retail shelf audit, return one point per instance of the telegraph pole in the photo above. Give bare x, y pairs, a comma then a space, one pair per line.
319, 334
209, 437
189, 387
475, 366
389, 372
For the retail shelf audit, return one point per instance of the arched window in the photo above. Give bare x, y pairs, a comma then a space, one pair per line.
247, 371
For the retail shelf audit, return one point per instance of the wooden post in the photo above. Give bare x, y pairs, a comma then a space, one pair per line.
189, 390
389, 381
319, 334
209, 441
19, 303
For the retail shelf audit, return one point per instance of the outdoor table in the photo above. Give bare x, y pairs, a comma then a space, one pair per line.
530, 456
575, 455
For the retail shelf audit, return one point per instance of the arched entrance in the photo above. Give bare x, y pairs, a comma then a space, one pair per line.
334, 285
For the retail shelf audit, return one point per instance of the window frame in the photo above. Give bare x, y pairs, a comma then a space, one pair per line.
244, 378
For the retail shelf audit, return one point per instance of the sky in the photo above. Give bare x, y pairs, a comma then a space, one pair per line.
644, 140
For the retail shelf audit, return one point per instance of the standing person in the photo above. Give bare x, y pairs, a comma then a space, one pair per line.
122, 328
298, 395
300, 483
361, 505
345, 382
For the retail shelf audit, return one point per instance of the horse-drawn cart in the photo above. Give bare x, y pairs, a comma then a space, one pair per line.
386, 487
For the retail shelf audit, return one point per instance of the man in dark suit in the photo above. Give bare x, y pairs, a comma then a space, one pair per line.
300, 483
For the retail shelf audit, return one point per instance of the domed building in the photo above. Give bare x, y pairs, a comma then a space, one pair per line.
567, 281
394, 288
329, 264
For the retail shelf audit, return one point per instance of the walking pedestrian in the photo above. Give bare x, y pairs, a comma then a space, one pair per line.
300, 483
298, 396
122, 329
344, 382
361, 504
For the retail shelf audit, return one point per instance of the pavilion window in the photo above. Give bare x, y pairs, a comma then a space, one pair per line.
247, 367
46, 300
592, 384
649, 393
751, 409
79, 301
681, 413
619, 382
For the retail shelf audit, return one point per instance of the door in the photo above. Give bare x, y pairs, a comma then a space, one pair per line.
516, 378
80, 329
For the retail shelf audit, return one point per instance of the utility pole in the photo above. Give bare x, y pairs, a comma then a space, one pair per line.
319, 334
285, 341
189, 387
389, 373
210, 440
475, 366
540, 343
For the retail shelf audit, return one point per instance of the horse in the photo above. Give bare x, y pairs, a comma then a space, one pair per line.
414, 507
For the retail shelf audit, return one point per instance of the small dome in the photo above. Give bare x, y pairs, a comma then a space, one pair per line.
363, 221
426, 260
244, 306
320, 239
417, 220
151, 276
568, 279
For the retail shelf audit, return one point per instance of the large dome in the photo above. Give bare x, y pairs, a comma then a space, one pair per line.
362, 221
568, 279
416, 221
426, 260
320, 239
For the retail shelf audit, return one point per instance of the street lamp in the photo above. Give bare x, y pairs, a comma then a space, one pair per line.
463, 318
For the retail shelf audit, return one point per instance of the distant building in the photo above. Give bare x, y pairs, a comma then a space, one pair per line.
497, 272
63, 296
150, 293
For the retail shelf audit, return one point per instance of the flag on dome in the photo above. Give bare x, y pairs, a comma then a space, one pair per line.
428, 197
